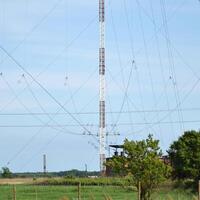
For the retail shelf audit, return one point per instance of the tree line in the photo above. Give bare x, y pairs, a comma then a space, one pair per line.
6, 173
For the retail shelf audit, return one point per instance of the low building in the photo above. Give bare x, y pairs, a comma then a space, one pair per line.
117, 150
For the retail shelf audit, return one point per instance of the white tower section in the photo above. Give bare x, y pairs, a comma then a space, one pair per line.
102, 86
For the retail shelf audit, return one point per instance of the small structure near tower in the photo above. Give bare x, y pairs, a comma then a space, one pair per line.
118, 151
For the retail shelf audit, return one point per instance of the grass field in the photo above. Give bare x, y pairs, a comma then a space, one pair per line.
28, 192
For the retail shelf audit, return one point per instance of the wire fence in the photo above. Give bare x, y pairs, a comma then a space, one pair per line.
82, 192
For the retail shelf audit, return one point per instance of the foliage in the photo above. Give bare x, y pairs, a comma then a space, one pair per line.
142, 162
6, 173
185, 156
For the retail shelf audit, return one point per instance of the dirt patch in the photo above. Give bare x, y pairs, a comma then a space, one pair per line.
16, 181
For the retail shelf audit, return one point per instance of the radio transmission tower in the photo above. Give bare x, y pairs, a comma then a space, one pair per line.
102, 85
44, 164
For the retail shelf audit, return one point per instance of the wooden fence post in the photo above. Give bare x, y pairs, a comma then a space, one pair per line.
79, 191
36, 196
14, 193
199, 190
139, 190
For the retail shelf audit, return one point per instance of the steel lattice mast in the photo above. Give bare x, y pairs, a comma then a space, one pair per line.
102, 85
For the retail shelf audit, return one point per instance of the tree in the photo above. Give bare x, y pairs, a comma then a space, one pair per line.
6, 173
185, 156
142, 161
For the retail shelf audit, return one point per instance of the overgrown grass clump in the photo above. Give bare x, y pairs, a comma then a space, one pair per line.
86, 181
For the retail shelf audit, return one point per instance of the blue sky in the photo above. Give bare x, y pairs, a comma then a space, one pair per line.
57, 42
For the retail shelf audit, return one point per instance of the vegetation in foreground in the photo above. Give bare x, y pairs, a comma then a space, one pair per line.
142, 163
87, 193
